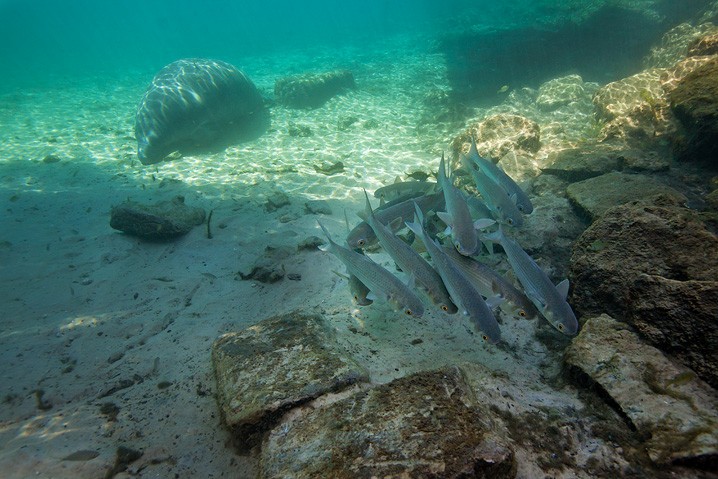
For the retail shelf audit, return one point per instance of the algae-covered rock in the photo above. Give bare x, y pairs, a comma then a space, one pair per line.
704, 45
498, 135
633, 108
428, 424
164, 220
695, 103
669, 406
312, 90
654, 265
276, 365
596, 195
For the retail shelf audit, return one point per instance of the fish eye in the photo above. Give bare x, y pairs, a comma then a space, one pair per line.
510, 221
560, 327
444, 307
408, 312
484, 337
522, 313
457, 246
356, 297
361, 242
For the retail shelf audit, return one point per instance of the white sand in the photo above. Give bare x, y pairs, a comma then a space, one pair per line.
77, 295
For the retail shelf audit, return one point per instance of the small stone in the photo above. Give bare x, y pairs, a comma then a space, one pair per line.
317, 207
51, 158
276, 200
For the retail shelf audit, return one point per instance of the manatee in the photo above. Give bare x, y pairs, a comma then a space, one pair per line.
197, 105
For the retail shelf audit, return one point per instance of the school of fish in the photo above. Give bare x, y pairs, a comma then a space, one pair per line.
455, 280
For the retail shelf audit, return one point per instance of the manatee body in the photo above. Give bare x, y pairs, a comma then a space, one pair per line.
195, 105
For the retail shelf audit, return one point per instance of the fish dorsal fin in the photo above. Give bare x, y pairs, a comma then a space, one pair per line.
346, 220
397, 180
562, 288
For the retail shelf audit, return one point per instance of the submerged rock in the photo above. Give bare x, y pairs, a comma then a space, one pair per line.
161, 221
596, 195
428, 424
312, 90
695, 103
274, 366
666, 403
654, 265
498, 135
562, 91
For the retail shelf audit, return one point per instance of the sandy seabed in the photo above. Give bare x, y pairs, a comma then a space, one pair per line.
105, 338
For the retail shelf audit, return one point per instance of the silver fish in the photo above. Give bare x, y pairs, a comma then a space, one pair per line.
463, 294
403, 188
380, 281
550, 300
498, 176
495, 196
362, 236
457, 216
425, 278
488, 282
358, 289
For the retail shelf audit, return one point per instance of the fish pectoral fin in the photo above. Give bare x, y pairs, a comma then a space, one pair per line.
371, 296
494, 301
514, 198
562, 288
445, 217
340, 274
396, 224
483, 223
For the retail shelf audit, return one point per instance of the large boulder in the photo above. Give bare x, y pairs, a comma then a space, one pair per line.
428, 424
654, 265
197, 105
674, 412
312, 90
595, 196
274, 366
695, 104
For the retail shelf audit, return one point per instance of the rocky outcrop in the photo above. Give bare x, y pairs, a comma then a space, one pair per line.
654, 265
673, 410
161, 221
695, 104
562, 91
428, 424
312, 90
595, 196
274, 366
578, 164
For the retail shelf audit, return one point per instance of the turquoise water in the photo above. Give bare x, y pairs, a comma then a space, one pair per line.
105, 337
41, 40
